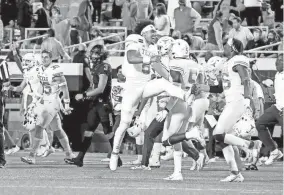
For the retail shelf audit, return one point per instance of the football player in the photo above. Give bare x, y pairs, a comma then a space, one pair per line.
141, 55
47, 105
236, 87
29, 86
100, 106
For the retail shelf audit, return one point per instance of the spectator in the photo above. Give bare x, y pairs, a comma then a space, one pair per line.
50, 43
56, 16
176, 34
253, 12
162, 21
129, 13
197, 5
256, 42
194, 42
172, 5
85, 18
97, 5
277, 6
25, 14
42, 19
268, 17
144, 9
215, 34
115, 12
280, 47
240, 32
156, 2
228, 7
184, 18
272, 38
9, 11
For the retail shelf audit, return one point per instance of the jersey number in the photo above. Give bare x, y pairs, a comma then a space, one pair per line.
146, 68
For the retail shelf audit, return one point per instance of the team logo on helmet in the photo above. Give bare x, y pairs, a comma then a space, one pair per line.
180, 49
164, 44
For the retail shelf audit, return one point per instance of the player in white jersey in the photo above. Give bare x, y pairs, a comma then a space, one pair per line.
183, 73
48, 104
236, 88
140, 56
28, 87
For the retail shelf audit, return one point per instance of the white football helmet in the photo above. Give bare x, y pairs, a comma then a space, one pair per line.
210, 68
29, 61
30, 117
135, 130
180, 49
245, 126
164, 44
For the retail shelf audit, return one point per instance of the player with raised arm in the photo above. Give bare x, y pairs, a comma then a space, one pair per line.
141, 55
47, 105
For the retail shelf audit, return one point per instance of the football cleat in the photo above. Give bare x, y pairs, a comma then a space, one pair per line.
174, 177
75, 161
12, 150
28, 160
233, 178
49, 151
274, 155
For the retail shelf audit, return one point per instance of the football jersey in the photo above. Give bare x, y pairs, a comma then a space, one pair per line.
47, 77
102, 69
32, 80
138, 72
232, 84
189, 70
117, 94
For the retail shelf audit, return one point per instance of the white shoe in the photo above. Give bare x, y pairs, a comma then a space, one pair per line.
193, 166
274, 155
135, 162
211, 160
105, 160
68, 157
28, 160
174, 177
12, 150
200, 162
113, 162
263, 159
49, 151
233, 178
41, 150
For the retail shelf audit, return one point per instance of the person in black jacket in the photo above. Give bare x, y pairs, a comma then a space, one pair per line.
25, 14
9, 11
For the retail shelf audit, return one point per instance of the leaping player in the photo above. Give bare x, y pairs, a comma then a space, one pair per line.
141, 55
47, 106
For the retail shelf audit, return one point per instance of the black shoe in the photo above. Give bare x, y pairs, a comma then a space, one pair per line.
74, 161
251, 168
2, 165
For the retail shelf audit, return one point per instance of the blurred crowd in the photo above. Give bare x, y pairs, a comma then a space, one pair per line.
205, 25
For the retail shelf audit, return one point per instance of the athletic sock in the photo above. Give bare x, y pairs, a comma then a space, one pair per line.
177, 161
229, 155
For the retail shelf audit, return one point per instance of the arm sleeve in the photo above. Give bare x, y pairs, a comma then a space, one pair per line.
216, 88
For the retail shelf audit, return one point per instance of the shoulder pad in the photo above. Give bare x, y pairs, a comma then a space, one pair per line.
135, 38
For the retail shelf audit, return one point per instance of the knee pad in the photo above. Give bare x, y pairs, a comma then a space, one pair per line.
88, 133
219, 137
